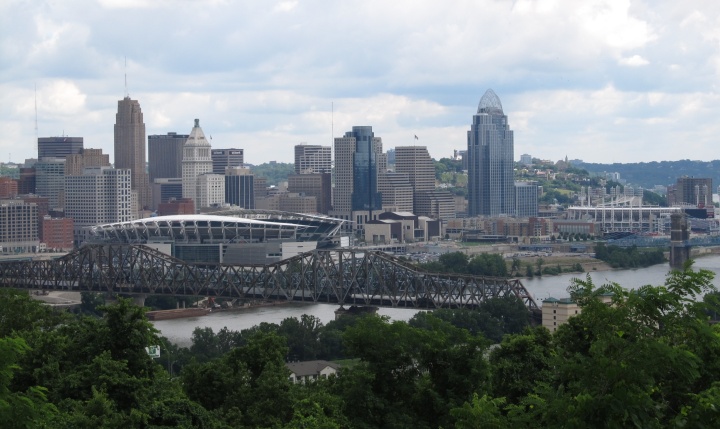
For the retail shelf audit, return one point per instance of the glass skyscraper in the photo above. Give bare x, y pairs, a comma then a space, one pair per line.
365, 194
491, 188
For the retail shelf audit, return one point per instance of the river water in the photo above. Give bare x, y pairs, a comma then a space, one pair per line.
179, 331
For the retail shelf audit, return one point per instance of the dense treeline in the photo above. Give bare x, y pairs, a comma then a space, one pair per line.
485, 264
628, 257
650, 359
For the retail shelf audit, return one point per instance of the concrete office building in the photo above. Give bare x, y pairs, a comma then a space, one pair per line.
435, 204
491, 186
210, 190
415, 161
18, 226
526, 199
59, 147
50, 180
313, 185
224, 158
165, 155
397, 192
196, 161
130, 147
75, 164
240, 187
696, 191
100, 195
313, 159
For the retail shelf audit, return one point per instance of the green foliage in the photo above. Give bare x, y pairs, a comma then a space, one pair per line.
653, 199
649, 174
630, 257
488, 264
274, 172
19, 409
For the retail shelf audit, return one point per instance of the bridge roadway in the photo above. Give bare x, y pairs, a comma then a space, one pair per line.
338, 276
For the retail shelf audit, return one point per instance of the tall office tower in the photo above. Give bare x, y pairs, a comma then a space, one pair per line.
397, 192
100, 195
491, 186
526, 199
358, 159
415, 161
76, 163
130, 147
313, 185
240, 187
59, 147
165, 155
313, 159
196, 161
367, 161
50, 180
223, 158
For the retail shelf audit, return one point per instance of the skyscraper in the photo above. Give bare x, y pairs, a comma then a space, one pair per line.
59, 147
239, 187
196, 161
358, 159
491, 188
311, 159
130, 147
165, 155
223, 158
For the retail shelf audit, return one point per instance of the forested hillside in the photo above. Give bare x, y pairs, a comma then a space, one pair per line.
649, 174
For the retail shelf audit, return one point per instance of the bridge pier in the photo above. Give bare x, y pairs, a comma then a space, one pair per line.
139, 299
679, 236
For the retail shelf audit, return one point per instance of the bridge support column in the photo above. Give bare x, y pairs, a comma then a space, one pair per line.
139, 299
679, 236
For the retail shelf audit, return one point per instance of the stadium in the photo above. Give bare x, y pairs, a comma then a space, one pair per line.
238, 237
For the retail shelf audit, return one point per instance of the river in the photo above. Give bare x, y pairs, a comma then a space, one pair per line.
179, 331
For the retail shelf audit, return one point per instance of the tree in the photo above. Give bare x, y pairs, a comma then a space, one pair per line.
454, 262
19, 409
488, 264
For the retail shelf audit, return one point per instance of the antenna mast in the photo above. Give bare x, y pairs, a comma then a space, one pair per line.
126, 90
36, 121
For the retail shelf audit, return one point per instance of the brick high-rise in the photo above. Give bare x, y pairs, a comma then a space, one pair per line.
130, 147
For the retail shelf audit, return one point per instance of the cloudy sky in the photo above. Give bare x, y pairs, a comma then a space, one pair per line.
602, 81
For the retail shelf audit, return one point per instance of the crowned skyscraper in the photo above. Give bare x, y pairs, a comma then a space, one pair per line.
130, 147
491, 188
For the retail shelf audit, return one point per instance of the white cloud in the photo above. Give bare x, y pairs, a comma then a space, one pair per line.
570, 74
634, 61
285, 6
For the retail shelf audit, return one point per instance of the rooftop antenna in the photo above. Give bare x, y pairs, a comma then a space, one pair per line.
126, 90
36, 120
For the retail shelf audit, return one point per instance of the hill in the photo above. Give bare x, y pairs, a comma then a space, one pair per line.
649, 174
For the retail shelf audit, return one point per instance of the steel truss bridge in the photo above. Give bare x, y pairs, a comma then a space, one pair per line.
342, 277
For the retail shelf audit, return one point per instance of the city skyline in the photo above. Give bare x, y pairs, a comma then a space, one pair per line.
620, 81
